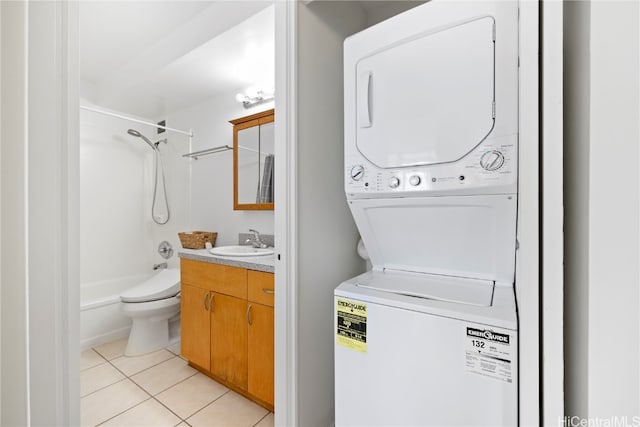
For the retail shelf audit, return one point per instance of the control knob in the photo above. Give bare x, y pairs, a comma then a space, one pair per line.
492, 160
394, 182
357, 172
415, 180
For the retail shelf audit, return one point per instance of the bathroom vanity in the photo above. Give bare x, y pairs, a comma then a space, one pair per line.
228, 321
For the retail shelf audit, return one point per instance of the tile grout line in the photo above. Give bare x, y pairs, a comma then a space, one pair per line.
126, 377
105, 362
169, 409
102, 388
145, 390
150, 396
120, 413
260, 420
100, 355
148, 393
145, 369
207, 405
162, 391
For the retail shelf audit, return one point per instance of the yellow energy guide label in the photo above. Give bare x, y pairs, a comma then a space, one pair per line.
351, 324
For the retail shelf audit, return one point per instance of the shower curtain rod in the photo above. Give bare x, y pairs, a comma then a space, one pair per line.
120, 116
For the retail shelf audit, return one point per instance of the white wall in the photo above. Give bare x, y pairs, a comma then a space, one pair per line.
118, 238
601, 168
326, 233
378, 11
614, 328
178, 185
115, 196
211, 201
14, 296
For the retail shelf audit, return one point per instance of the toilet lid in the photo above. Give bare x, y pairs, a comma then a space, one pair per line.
164, 284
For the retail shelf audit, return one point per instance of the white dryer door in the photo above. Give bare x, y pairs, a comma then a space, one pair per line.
428, 99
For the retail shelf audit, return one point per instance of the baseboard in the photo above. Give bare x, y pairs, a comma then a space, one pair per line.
105, 338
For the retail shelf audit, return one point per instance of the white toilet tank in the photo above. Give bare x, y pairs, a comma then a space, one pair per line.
164, 284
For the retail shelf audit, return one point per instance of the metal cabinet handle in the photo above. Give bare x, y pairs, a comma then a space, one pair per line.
268, 291
207, 301
249, 321
204, 300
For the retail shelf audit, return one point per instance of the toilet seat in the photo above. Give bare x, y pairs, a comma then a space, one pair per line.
165, 284
151, 309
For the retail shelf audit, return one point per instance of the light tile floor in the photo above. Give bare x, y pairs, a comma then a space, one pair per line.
157, 389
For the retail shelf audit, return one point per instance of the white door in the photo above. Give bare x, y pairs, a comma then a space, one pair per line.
427, 99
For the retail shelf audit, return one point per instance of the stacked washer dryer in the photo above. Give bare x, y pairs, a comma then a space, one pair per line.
429, 336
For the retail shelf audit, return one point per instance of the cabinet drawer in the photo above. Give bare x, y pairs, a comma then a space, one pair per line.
219, 278
261, 287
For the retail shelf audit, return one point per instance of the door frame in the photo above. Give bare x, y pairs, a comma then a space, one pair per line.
286, 316
40, 222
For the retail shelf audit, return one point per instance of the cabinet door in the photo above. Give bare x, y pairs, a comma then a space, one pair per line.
261, 352
260, 287
229, 339
195, 329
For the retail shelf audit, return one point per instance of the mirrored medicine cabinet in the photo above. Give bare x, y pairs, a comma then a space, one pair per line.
253, 161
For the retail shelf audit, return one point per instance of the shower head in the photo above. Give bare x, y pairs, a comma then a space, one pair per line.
137, 134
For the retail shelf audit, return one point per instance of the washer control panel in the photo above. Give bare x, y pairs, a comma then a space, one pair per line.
492, 164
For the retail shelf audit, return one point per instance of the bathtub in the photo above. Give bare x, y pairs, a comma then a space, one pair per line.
100, 317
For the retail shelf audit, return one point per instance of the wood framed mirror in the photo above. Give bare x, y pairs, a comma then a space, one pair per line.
253, 161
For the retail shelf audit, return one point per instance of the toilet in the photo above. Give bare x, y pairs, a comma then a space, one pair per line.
151, 305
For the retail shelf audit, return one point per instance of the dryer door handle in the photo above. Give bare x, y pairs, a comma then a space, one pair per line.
363, 100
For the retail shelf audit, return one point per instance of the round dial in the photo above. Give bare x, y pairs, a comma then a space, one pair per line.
492, 160
394, 182
415, 180
357, 172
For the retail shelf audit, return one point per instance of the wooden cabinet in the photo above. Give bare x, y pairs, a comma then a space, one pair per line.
227, 326
260, 356
229, 339
195, 325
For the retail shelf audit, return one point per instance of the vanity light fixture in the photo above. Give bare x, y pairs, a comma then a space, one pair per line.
252, 97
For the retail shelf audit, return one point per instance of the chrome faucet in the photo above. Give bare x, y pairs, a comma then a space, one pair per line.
159, 266
256, 242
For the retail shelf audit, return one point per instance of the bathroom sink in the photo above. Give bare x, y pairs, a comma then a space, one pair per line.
240, 251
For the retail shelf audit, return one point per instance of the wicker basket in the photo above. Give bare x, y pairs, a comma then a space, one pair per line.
197, 239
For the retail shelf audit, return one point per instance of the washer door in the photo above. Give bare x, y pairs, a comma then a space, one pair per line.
427, 99
462, 236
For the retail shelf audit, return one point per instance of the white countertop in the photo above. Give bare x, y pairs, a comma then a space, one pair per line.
264, 263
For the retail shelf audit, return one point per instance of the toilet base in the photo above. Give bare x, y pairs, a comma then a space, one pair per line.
147, 336
150, 328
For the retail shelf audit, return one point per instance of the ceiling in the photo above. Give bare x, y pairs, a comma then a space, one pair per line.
147, 58
151, 57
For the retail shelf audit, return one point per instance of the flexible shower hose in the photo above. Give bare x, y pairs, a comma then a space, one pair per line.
158, 158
